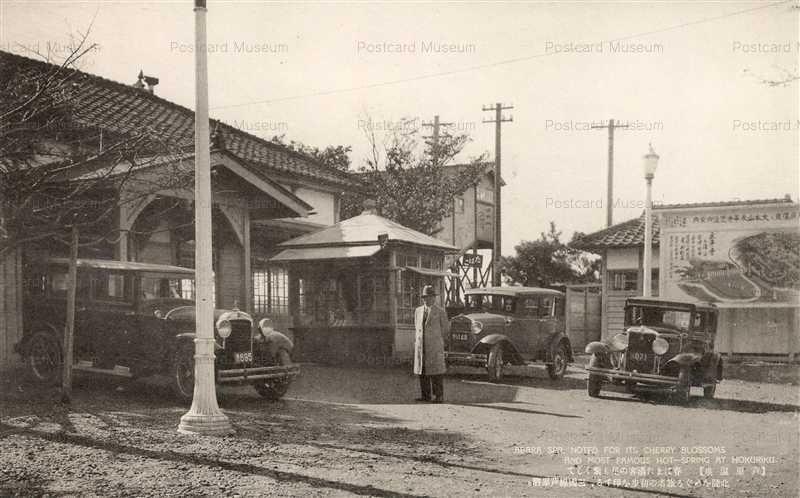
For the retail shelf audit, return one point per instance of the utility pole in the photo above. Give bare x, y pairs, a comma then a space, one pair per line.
499, 119
69, 330
610, 181
434, 137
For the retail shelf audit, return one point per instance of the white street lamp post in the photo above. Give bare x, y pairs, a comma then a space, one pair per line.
204, 417
650, 165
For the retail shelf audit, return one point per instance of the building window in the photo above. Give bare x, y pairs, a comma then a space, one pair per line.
271, 291
623, 280
407, 259
486, 195
410, 285
459, 205
654, 283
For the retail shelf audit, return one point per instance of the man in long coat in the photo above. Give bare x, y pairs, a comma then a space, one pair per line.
432, 325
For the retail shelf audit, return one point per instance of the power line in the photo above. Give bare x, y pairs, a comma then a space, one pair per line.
493, 64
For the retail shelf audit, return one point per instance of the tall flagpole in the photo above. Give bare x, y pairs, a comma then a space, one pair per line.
204, 417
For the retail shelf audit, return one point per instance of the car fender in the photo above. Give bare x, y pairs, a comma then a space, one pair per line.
486, 343
712, 367
685, 359
275, 341
597, 347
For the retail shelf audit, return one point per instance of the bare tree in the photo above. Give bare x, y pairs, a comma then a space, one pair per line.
412, 186
58, 169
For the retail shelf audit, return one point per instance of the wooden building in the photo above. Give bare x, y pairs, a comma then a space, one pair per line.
470, 228
263, 193
353, 288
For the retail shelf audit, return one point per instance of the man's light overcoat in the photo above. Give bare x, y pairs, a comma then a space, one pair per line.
429, 347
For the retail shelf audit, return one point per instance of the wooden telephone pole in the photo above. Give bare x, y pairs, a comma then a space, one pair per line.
610, 182
499, 119
69, 329
434, 137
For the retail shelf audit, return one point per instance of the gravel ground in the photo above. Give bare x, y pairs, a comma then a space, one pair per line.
347, 431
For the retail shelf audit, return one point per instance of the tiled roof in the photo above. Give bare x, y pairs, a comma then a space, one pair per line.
121, 108
626, 234
364, 229
782, 200
631, 233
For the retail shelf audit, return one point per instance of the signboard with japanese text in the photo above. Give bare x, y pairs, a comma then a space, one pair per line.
741, 256
473, 260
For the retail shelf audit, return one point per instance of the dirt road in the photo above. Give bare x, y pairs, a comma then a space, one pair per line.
348, 431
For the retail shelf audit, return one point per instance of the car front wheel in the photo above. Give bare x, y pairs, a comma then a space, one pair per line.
558, 368
45, 357
709, 391
494, 365
274, 389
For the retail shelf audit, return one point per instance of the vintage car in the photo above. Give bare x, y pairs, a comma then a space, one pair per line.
510, 325
665, 345
134, 320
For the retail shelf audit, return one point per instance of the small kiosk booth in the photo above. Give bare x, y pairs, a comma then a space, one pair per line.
353, 288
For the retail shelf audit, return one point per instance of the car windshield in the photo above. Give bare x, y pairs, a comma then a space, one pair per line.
164, 287
491, 302
656, 317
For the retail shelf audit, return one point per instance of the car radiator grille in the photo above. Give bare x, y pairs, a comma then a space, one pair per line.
640, 356
239, 341
461, 336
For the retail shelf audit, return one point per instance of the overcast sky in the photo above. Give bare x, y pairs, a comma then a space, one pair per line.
687, 76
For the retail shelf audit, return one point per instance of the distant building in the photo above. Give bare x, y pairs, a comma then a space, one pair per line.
470, 228
743, 256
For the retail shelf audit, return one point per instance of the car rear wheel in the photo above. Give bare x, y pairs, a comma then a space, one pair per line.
709, 391
182, 373
683, 389
274, 389
45, 357
558, 368
494, 365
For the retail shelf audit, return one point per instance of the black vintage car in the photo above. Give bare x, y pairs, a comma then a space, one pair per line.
134, 320
510, 325
666, 345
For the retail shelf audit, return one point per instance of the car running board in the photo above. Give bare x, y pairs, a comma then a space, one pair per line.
117, 371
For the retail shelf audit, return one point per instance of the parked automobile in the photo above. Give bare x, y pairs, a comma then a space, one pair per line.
666, 345
134, 320
510, 325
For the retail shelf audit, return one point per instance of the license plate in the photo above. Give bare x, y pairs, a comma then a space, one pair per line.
460, 337
246, 357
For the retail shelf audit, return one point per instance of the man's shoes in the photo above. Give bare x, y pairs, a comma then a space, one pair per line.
438, 399
422, 400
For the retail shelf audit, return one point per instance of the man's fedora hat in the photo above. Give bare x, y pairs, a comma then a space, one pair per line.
428, 290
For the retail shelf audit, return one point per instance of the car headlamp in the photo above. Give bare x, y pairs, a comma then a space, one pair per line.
265, 326
660, 345
476, 327
224, 328
620, 341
